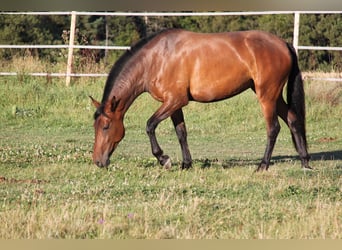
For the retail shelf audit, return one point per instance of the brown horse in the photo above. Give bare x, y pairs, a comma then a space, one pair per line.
178, 66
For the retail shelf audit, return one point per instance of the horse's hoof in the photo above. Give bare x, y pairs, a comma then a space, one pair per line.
186, 166
308, 168
165, 161
167, 164
262, 167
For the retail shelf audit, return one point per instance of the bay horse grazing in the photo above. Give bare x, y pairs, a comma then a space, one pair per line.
178, 66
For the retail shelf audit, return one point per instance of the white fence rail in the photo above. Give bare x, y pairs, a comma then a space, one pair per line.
74, 14
63, 47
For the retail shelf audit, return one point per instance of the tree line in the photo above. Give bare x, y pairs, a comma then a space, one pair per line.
315, 30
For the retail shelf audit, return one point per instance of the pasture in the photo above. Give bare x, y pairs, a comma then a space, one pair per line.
49, 187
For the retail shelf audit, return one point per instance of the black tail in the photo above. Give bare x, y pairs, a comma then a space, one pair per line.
295, 94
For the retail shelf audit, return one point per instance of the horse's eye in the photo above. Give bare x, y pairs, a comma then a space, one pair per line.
106, 126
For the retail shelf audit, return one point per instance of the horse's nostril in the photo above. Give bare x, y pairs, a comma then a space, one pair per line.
107, 162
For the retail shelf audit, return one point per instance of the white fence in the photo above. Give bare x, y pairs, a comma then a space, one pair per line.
74, 14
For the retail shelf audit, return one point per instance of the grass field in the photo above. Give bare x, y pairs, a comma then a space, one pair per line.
49, 187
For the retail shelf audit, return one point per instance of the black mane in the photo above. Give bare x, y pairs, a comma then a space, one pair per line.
119, 64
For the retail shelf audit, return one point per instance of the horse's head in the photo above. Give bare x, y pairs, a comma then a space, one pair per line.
109, 130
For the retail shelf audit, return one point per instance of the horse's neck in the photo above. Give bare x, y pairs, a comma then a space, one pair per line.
127, 93
130, 84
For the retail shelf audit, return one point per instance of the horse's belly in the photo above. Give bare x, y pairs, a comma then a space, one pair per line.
214, 91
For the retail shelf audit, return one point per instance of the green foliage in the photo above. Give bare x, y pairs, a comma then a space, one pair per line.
321, 30
280, 25
29, 29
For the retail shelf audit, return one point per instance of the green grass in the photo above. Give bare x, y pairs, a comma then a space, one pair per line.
49, 187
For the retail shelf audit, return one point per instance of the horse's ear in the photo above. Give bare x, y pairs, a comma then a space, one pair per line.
111, 105
96, 103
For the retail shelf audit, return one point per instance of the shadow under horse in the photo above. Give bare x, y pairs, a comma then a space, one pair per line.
242, 162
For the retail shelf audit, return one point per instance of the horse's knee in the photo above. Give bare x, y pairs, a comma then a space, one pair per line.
292, 121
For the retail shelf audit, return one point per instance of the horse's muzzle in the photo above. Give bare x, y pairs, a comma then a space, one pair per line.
102, 164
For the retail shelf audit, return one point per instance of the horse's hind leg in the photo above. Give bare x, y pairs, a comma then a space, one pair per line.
178, 121
273, 128
297, 131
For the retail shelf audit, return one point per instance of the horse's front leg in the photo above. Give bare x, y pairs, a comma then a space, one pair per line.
162, 113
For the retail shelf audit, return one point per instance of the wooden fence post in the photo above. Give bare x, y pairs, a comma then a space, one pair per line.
71, 47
